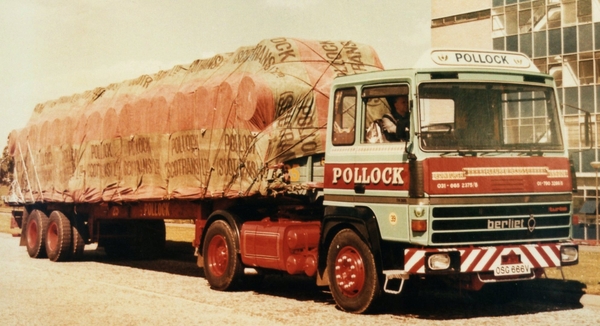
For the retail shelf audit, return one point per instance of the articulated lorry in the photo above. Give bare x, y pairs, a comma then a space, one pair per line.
308, 158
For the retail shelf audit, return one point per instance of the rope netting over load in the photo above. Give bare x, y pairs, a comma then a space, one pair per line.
207, 129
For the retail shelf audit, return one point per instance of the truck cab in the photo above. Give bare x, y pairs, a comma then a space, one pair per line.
476, 187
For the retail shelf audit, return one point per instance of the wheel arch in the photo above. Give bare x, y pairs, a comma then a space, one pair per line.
231, 218
361, 220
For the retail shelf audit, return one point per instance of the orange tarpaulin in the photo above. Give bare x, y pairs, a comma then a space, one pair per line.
207, 129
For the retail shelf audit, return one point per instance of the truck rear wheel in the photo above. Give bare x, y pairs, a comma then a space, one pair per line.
353, 277
222, 265
58, 237
77, 231
37, 226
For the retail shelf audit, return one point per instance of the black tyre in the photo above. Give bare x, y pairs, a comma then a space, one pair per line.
37, 226
23, 241
222, 266
77, 231
353, 276
58, 237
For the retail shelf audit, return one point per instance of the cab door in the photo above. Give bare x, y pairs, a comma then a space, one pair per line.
340, 150
381, 172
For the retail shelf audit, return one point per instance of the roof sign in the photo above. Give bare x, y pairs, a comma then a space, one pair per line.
490, 59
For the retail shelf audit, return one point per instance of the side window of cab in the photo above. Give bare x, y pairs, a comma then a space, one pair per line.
344, 117
386, 113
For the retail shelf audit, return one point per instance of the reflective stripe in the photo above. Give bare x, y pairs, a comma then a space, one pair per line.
486, 259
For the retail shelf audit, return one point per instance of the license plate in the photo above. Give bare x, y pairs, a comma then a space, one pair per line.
515, 269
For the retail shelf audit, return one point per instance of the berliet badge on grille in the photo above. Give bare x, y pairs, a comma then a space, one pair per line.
531, 223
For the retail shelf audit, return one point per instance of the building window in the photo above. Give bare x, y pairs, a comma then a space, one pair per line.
499, 43
587, 98
541, 65
597, 36
554, 42
525, 21
569, 12
584, 11
597, 61
554, 17
570, 73
539, 44
587, 157
585, 37
512, 43
539, 15
498, 25
571, 100
597, 110
570, 39
511, 20
525, 44
597, 95
586, 68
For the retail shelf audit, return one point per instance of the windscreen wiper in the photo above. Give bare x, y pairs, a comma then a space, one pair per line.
461, 152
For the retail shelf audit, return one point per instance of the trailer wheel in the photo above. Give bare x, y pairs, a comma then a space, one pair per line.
58, 237
353, 276
37, 225
23, 241
222, 266
77, 231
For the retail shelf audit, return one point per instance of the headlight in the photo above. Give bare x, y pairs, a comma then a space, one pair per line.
439, 261
569, 255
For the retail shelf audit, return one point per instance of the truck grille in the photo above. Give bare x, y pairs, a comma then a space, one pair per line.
508, 223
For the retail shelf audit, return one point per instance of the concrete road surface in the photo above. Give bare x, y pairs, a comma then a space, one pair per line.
172, 291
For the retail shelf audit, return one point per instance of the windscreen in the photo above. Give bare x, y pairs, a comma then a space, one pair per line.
487, 116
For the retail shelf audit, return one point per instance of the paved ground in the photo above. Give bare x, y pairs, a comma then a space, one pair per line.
97, 291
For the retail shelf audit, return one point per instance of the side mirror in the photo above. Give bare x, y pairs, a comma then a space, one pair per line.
587, 126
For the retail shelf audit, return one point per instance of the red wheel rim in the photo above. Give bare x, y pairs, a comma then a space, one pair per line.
52, 236
218, 255
32, 234
349, 272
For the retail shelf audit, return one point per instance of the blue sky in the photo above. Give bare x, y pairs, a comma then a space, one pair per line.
62, 47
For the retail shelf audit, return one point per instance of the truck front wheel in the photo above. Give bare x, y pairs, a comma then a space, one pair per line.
222, 266
37, 226
353, 277
58, 238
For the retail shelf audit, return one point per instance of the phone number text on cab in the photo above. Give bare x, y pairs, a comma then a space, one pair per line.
457, 185
550, 183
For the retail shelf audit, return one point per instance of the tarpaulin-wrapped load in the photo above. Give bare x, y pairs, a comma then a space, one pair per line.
207, 129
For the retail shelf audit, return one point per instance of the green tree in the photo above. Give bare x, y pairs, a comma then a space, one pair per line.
6, 167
